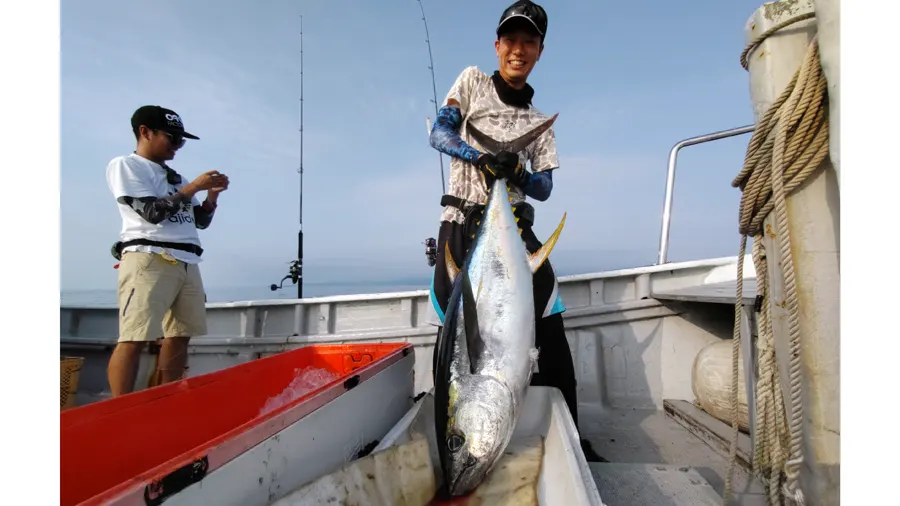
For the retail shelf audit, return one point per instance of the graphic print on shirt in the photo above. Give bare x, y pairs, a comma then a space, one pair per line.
481, 106
185, 214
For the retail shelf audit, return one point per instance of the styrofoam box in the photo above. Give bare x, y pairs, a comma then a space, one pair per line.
565, 477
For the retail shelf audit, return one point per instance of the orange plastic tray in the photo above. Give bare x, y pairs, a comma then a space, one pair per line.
151, 443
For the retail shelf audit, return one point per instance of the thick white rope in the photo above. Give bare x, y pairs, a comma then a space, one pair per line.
788, 145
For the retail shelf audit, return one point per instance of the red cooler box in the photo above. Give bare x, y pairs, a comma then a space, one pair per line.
142, 447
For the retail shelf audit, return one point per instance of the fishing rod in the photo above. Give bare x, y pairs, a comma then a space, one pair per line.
433, 88
430, 243
295, 271
299, 278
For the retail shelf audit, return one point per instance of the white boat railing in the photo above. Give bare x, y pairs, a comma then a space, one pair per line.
670, 181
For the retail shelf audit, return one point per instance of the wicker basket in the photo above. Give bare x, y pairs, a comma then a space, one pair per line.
69, 368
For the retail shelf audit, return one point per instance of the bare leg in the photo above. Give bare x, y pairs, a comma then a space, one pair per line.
172, 359
123, 367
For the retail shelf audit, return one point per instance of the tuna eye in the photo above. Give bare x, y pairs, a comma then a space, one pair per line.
455, 442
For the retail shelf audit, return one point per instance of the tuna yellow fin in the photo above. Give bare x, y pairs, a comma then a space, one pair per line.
539, 256
452, 269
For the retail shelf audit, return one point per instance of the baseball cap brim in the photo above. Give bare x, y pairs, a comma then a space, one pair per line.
182, 133
520, 16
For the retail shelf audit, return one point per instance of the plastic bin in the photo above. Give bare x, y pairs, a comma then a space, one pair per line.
145, 446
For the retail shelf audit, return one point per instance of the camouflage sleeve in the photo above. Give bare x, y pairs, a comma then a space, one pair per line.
203, 215
154, 209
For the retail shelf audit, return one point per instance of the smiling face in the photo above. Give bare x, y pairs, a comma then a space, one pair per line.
519, 48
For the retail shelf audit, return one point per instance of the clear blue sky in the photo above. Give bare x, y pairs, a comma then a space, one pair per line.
629, 79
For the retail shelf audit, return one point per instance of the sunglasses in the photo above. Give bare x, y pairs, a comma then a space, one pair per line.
175, 139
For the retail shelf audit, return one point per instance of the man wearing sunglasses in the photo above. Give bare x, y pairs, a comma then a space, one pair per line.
500, 106
161, 292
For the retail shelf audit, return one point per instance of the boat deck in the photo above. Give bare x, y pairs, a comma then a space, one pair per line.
654, 460
715, 293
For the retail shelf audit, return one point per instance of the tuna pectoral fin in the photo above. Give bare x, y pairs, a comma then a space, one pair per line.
452, 269
474, 342
539, 256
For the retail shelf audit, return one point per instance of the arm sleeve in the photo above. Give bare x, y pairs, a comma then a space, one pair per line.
445, 136
544, 160
445, 132
539, 185
203, 214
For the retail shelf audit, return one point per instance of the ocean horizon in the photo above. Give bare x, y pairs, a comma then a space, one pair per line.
107, 297
343, 286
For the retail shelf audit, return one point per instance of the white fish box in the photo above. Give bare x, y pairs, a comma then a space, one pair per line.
565, 478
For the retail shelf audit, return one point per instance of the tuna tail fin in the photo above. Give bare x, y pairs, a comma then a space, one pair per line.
452, 269
537, 259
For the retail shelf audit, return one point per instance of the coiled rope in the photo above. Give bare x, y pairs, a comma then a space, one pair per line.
787, 147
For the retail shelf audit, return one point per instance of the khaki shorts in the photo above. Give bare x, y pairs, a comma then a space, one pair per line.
159, 299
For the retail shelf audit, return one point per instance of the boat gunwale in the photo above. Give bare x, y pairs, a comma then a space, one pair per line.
381, 296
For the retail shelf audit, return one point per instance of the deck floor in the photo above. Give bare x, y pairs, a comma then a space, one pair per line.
652, 484
652, 437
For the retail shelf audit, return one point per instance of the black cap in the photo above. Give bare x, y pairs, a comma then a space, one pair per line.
525, 9
159, 118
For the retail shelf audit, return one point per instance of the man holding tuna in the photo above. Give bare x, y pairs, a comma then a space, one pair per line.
501, 107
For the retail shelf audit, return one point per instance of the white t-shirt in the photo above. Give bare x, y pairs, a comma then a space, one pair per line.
135, 176
480, 105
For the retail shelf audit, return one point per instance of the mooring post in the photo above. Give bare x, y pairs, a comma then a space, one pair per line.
813, 212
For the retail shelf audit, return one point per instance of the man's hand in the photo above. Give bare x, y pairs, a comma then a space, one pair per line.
214, 192
512, 168
490, 166
212, 196
206, 181
504, 164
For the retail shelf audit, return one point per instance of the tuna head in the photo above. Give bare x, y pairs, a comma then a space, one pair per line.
478, 430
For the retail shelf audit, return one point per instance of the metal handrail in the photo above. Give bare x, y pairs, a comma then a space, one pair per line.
670, 181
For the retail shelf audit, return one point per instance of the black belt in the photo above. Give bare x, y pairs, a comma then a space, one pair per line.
119, 246
524, 211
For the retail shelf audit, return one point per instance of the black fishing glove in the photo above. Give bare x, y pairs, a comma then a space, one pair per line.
503, 164
513, 170
490, 166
